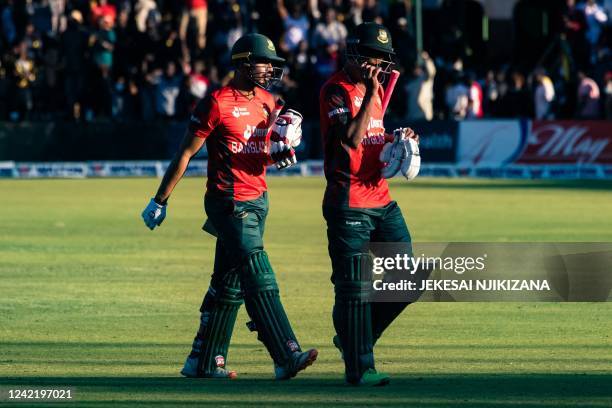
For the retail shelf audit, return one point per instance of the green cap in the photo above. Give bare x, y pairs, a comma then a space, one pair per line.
372, 36
255, 47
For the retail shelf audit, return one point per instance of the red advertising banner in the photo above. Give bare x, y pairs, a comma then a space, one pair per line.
567, 142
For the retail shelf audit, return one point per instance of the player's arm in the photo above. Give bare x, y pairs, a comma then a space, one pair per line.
190, 145
351, 131
203, 121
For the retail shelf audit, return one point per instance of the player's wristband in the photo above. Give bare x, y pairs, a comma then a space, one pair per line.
160, 202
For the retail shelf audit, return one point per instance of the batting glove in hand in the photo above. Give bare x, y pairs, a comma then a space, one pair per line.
282, 155
402, 153
154, 214
286, 134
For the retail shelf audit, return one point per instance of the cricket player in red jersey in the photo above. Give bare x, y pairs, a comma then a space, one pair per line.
234, 122
357, 205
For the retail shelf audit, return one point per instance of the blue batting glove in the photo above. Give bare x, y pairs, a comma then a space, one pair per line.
154, 214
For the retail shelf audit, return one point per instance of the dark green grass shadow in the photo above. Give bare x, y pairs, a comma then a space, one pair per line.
476, 390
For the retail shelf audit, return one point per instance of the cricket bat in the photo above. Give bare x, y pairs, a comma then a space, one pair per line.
389, 89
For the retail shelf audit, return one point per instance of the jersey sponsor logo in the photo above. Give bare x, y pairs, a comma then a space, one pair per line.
250, 130
358, 101
375, 124
353, 223
373, 139
240, 111
337, 111
251, 147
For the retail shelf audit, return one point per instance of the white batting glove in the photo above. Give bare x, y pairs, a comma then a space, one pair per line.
154, 214
288, 128
401, 154
283, 155
405, 133
412, 160
286, 134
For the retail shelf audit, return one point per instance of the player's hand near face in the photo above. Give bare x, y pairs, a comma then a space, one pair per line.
370, 74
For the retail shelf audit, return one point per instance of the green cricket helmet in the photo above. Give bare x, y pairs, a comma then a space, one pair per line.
252, 49
371, 40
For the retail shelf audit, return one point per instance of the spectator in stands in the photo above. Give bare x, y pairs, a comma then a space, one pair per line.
491, 97
230, 27
198, 84
596, 17
74, 43
103, 45
58, 20
101, 11
419, 90
39, 14
51, 90
119, 98
475, 110
33, 42
148, 87
143, 11
587, 106
24, 74
372, 11
457, 97
198, 10
575, 28
168, 90
330, 32
516, 102
544, 95
9, 30
312, 43
295, 23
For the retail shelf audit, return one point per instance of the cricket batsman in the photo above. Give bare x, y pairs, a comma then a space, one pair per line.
356, 204
238, 125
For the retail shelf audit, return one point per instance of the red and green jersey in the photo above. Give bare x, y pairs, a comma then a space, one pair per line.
235, 131
353, 175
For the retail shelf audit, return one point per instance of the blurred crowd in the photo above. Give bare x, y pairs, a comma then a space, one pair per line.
153, 59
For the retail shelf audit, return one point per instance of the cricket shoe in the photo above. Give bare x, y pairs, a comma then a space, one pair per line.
298, 361
372, 378
190, 370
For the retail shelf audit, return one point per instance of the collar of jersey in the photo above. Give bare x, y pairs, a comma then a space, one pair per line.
350, 81
240, 94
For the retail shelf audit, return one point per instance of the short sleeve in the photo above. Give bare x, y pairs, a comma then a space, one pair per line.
205, 117
335, 104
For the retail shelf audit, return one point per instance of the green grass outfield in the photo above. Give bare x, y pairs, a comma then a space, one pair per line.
90, 298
